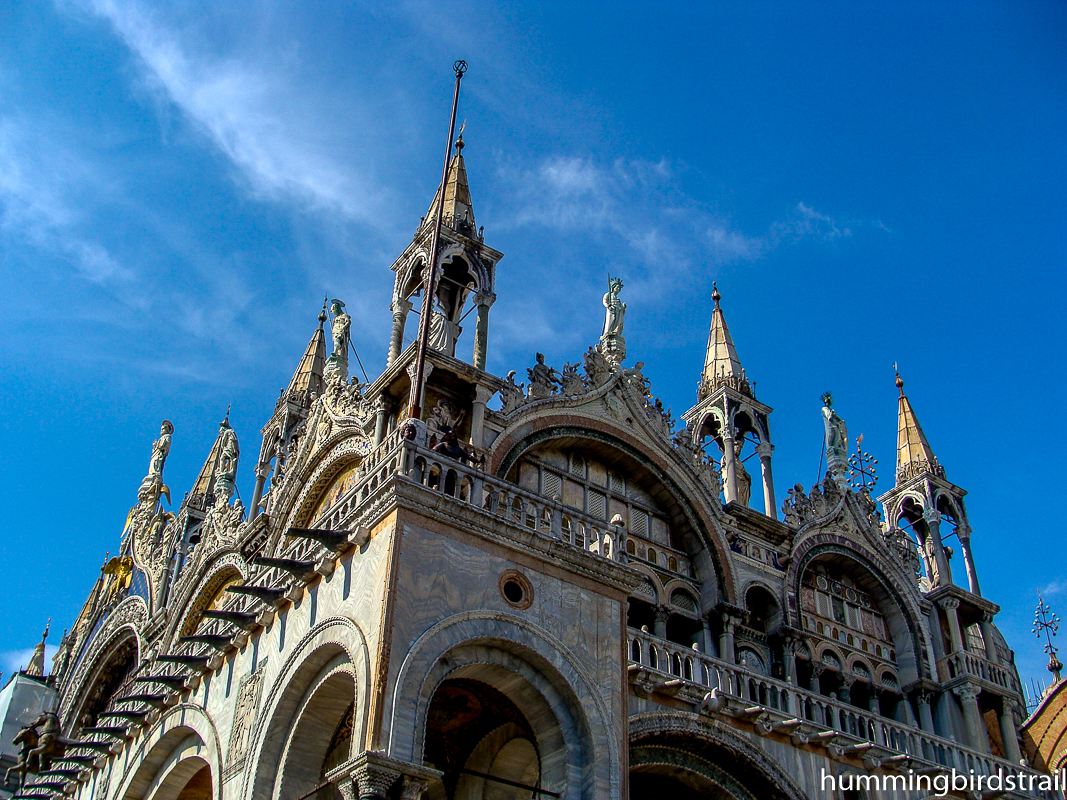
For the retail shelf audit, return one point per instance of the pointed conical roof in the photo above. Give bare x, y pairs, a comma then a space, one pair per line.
721, 364
458, 211
308, 375
205, 481
914, 453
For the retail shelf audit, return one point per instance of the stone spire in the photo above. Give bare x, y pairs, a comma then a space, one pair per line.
914, 454
458, 213
308, 375
220, 467
36, 665
721, 364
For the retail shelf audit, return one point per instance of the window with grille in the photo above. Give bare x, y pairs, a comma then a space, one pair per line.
597, 505
553, 484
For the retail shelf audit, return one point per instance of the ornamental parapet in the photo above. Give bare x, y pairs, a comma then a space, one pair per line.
772, 706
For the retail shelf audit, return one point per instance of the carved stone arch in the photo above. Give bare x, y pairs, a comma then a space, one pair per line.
653, 578
507, 651
677, 583
125, 622
181, 735
333, 643
482, 279
718, 415
712, 749
861, 661
198, 593
526, 434
409, 279
822, 648
906, 624
314, 478
774, 617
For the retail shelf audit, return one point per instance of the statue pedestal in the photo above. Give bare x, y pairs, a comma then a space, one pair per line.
613, 348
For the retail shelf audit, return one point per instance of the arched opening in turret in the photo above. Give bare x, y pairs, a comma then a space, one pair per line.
846, 609
748, 434
910, 521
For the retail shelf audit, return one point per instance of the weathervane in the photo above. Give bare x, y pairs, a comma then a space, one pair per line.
1047, 623
861, 472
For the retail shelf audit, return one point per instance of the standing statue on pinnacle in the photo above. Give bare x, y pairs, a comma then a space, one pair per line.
337, 363
612, 346
836, 441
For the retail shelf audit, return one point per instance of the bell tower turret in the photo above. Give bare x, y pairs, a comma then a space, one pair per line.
728, 413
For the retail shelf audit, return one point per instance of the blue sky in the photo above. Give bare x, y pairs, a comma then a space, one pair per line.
181, 184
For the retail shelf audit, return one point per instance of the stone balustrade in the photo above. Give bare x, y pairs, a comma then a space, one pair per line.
962, 664
890, 737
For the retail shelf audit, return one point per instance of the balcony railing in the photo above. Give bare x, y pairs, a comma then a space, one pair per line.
750, 689
467, 485
962, 664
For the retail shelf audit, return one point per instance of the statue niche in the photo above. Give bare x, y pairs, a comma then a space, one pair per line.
454, 284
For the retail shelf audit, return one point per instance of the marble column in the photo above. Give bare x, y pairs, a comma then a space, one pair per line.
817, 670
933, 524
789, 660
926, 718
710, 647
381, 418
988, 637
726, 639
872, 700
844, 691
262, 473
729, 471
974, 727
936, 639
964, 534
659, 627
764, 450
481, 331
482, 395
1009, 733
951, 606
400, 315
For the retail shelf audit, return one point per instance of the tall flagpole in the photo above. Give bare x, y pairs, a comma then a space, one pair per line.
430, 271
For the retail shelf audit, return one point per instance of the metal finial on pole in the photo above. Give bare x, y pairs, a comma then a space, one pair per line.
1047, 623
430, 270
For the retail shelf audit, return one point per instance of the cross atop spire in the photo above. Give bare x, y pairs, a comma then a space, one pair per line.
458, 213
721, 364
914, 454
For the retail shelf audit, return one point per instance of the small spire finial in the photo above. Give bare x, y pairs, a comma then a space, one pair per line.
459, 139
322, 314
715, 294
899, 381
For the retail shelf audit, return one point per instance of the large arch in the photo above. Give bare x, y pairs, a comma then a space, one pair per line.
689, 756
903, 616
567, 423
329, 660
576, 734
179, 747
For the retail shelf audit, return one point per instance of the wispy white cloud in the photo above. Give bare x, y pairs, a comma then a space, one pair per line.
1057, 587
34, 204
271, 127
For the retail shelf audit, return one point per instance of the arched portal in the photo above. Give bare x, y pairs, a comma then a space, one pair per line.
189, 780
492, 744
320, 738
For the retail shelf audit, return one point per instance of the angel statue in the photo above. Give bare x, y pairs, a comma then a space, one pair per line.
616, 309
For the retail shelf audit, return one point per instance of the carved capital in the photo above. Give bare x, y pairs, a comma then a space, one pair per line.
949, 603
483, 394
371, 775
484, 299
932, 516
765, 449
967, 692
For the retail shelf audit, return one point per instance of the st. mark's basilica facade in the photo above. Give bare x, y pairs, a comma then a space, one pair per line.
545, 589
